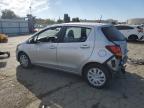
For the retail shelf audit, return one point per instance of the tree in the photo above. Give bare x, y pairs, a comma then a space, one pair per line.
50, 21
75, 19
60, 21
114, 23
8, 14
44, 22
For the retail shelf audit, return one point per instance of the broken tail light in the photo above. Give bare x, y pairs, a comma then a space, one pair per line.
116, 50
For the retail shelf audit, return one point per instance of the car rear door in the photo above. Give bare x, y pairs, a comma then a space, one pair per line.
76, 47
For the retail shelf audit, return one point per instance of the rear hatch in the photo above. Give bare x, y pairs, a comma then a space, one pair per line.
117, 38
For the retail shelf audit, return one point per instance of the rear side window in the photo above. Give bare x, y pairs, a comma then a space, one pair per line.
113, 34
124, 27
76, 34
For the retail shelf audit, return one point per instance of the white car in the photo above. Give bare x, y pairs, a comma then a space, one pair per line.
88, 49
131, 32
142, 25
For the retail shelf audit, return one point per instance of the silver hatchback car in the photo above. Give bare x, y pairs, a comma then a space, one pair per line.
92, 50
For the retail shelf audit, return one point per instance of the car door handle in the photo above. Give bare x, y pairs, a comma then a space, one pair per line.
84, 46
52, 47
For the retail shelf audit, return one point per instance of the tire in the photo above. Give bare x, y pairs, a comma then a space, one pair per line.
133, 38
8, 54
24, 60
97, 76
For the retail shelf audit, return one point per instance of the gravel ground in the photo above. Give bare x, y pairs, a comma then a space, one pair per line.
45, 88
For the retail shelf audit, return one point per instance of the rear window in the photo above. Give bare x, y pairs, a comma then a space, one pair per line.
113, 34
139, 27
124, 27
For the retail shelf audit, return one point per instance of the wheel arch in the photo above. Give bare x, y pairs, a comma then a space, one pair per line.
22, 52
133, 35
88, 64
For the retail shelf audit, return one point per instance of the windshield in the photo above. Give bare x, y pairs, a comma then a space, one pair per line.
113, 34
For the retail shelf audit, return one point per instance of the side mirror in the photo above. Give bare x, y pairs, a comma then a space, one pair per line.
52, 39
31, 41
37, 42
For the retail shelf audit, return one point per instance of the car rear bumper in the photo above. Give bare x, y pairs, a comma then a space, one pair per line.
116, 65
142, 38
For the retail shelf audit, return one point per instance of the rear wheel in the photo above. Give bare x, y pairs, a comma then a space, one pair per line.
133, 38
97, 76
24, 60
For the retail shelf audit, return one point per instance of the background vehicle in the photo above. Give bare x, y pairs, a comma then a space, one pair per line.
3, 38
131, 32
142, 27
88, 49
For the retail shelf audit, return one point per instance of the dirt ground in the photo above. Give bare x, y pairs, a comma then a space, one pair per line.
45, 88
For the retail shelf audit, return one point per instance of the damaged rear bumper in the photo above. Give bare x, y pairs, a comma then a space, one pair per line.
117, 65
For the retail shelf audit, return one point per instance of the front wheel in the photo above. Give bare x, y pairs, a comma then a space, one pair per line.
97, 76
24, 60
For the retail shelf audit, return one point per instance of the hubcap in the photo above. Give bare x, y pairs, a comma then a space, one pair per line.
24, 60
96, 76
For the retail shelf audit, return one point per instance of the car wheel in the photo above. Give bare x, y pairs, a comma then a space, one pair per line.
24, 60
133, 38
97, 76
8, 54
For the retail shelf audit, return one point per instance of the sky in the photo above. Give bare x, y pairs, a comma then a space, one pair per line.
84, 9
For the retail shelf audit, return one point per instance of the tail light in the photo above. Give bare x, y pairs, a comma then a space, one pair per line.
116, 50
140, 30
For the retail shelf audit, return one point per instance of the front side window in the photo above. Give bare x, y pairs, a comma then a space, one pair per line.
76, 34
49, 35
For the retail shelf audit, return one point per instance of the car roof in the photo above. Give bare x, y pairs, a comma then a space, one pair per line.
82, 24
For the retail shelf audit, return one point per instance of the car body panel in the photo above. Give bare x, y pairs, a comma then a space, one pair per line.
46, 54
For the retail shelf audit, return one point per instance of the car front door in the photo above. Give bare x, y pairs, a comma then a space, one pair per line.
46, 44
76, 47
